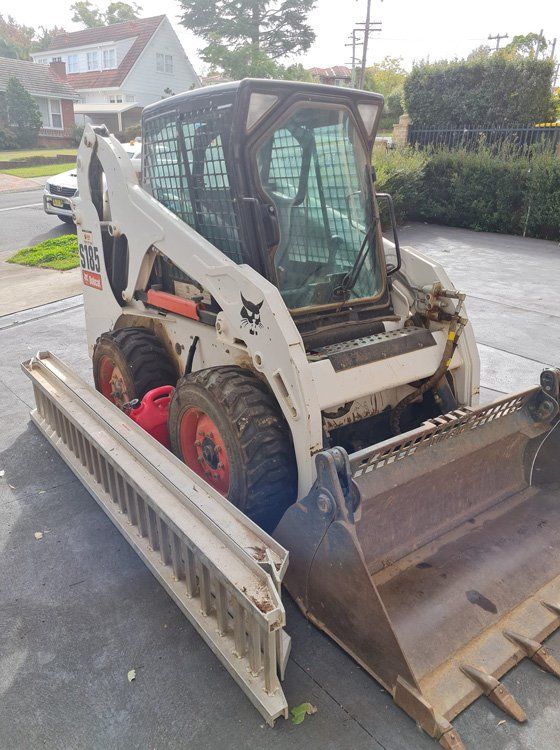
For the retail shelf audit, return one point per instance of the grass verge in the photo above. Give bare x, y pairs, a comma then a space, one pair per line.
60, 253
42, 170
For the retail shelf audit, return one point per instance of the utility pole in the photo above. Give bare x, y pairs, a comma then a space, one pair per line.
498, 38
539, 40
364, 48
369, 28
354, 44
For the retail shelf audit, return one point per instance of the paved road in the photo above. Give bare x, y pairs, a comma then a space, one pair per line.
23, 222
78, 609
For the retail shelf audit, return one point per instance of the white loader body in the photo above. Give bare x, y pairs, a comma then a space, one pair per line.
303, 388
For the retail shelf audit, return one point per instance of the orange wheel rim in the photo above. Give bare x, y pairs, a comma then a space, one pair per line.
203, 449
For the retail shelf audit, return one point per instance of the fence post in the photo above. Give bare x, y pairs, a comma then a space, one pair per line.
400, 130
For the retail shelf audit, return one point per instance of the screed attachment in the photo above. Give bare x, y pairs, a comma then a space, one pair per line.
536, 652
496, 692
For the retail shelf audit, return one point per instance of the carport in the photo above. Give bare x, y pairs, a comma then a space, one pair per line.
117, 117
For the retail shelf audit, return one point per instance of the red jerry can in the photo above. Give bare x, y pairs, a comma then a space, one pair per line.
152, 412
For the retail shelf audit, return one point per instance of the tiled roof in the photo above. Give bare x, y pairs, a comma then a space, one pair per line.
142, 30
37, 79
337, 71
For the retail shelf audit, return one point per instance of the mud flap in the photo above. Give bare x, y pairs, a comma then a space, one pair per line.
434, 558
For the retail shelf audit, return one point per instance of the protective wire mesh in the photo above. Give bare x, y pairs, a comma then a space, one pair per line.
186, 169
320, 211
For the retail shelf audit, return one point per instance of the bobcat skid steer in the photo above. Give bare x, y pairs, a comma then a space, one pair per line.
326, 383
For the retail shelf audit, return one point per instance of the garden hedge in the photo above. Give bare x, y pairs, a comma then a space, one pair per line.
493, 192
497, 90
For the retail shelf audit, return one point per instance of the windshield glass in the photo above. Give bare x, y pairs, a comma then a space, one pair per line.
315, 169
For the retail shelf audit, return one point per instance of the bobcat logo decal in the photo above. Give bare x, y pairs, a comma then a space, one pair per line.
251, 315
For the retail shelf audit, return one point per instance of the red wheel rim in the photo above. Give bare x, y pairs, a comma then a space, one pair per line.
111, 382
203, 449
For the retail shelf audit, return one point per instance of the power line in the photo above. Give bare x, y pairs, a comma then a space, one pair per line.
498, 38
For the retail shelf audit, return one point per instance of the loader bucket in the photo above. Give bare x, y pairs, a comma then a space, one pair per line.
433, 558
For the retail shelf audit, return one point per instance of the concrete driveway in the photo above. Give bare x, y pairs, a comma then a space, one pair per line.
78, 609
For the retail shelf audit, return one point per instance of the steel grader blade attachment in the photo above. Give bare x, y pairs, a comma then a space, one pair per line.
433, 558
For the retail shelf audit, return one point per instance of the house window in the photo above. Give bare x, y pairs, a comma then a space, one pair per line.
92, 61
164, 63
72, 64
51, 112
109, 59
42, 60
129, 98
115, 98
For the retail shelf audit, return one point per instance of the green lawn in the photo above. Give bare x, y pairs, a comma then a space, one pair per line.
43, 170
24, 153
60, 253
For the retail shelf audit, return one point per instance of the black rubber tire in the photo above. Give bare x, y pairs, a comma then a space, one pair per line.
141, 357
263, 473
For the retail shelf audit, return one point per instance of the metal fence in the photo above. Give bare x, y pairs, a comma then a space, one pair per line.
545, 136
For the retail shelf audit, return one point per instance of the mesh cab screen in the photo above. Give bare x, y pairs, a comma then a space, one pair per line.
185, 167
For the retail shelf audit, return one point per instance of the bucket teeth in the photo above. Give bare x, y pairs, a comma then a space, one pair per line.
450, 740
536, 652
496, 692
554, 608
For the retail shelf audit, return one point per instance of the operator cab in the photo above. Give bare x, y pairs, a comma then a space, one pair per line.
277, 174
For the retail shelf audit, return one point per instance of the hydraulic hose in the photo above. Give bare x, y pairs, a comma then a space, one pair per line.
433, 381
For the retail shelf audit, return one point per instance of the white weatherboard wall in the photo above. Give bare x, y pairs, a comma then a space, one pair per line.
145, 83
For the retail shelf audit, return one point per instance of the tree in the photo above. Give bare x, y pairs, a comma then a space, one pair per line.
120, 12
526, 45
15, 38
296, 72
23, 112
386, 76
249, 34
44, 36
91, 16
482, 52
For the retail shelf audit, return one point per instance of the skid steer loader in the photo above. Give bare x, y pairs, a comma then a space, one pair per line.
326, 384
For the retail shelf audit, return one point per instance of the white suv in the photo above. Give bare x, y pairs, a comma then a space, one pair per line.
59, 189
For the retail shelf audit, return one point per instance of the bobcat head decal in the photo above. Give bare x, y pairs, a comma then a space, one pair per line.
251, 315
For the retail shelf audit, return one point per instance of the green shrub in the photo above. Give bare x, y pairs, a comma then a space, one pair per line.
130, 133
76, 133
483, 190
496, 89
400, 172
8, 139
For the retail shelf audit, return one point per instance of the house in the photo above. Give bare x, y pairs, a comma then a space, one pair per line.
55, 97
338, 75
132, 63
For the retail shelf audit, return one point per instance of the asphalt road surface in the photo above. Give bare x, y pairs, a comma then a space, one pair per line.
78, 609
23, 221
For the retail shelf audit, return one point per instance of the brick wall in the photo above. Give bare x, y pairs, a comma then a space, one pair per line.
48, 137
67, 113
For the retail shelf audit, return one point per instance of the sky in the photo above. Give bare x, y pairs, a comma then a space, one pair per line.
411, 30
